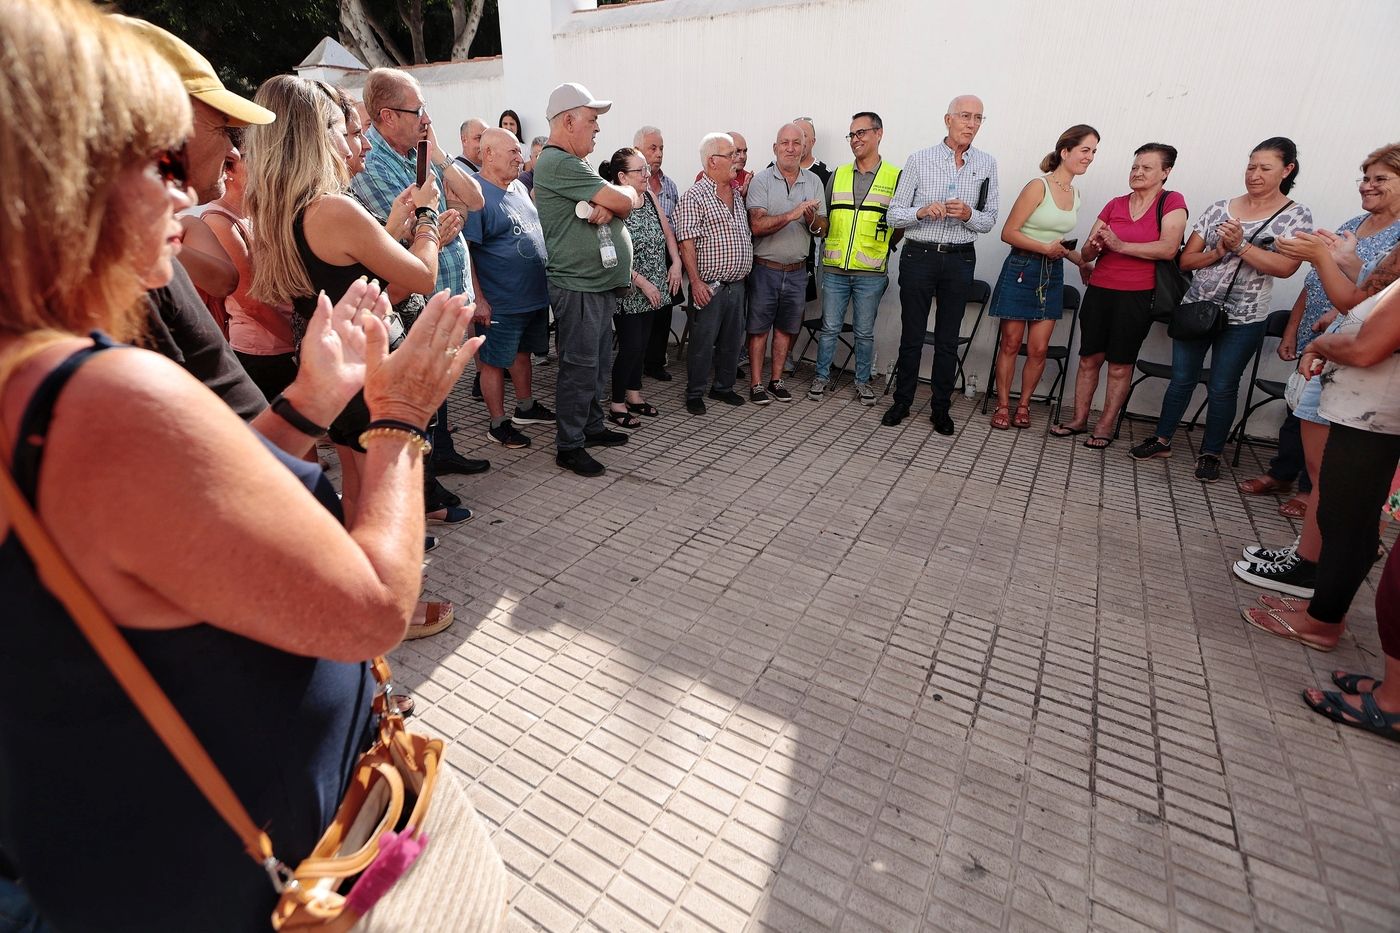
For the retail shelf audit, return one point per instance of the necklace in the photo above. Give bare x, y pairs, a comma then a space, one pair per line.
1061, 185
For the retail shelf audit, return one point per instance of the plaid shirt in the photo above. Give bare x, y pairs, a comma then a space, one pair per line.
668, 195
723, 242
933, 175
385, 176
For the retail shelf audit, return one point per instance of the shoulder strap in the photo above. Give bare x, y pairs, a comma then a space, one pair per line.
1239, 263
1161, 203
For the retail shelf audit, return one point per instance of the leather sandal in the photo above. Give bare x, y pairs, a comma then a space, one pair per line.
1023, 416
429, 618
1296, 507
1001, 418
1264, 486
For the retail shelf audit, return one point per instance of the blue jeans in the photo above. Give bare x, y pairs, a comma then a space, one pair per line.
864, 293
1230, 351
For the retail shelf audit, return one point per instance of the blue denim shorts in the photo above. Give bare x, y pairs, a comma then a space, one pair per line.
776, 299
1306, 409
510, 334
1030, 288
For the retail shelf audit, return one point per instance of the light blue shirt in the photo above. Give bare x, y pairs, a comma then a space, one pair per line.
932, 174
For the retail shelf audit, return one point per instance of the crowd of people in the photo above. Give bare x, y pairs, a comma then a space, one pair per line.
323, 291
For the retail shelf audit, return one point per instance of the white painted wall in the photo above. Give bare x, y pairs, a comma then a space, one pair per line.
453, 92
1208, 77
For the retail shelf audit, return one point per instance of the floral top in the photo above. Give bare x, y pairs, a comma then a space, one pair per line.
648, 256
1249, 299
1371, 249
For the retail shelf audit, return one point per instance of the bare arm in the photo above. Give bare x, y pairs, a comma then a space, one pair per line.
700, 294
205, 260
620, 200
1196, 256
463, 191
341, 232
1376, 339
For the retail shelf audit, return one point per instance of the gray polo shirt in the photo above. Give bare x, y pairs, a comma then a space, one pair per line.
770, 191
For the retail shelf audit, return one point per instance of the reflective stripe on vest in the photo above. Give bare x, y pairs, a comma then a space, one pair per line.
857, 238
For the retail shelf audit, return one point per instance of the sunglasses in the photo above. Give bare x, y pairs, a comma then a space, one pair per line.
173, 166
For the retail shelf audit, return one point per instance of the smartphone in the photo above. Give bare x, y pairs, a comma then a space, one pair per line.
1264, 241
1070, 244
422, 161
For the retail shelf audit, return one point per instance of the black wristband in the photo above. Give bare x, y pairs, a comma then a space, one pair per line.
287, 411
399, 426
426, 215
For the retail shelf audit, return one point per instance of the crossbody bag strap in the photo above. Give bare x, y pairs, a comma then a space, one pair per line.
1225, 302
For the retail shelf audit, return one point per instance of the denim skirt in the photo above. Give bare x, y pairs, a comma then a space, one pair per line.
1030, 288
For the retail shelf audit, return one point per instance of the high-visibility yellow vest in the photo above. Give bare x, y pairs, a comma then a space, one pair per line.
858, 238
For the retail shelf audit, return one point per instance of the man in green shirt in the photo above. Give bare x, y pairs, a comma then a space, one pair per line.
589, 268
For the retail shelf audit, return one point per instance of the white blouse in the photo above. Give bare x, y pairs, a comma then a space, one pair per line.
1364, 397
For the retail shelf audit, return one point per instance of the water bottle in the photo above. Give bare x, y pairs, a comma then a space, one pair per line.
970, 387
605, 246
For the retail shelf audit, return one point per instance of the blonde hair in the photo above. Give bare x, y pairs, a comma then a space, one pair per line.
1389, 156
84, 100
291, 163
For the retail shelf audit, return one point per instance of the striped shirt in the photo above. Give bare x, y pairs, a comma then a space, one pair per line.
385, 176
723, 241
932, 174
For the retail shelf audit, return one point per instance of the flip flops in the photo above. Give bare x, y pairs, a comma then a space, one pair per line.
1271, 621
1095, 442
1064, 430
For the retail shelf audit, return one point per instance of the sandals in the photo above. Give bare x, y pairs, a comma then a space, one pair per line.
1294, 508
436, 616
1282, 603
1064, 430
625, 420
1351, 683
1369, 717
1001, 418
1264, 486
1023, 416
1094, 442
643, 408
1280, 628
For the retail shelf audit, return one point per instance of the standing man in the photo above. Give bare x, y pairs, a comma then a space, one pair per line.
399, 119
742, 176
787, 207
712, 228
809, 144
589, 267
512, 295
471, 131
650, 143
527, 174
856, 251
946, 196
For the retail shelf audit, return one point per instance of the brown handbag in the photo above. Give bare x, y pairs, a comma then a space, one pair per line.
402, 810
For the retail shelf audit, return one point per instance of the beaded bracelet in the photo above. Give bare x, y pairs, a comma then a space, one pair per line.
388, 427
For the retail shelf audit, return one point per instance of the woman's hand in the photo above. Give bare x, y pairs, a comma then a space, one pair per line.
336, 347
410, 383
673, 278
650, 292
1312, 362
450, 224
1055, 250
1288, 347
400, 222
1231, 234
1324, 322
426, 194
1305, 247
1107, 239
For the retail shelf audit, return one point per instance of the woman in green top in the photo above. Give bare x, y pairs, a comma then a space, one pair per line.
1029, 296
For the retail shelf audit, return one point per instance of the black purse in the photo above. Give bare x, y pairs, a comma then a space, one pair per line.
1195, 320
1171, 283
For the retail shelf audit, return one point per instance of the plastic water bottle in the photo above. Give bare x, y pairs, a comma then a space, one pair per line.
970, 387
605, 246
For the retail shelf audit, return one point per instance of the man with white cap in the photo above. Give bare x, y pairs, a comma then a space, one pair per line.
589, 267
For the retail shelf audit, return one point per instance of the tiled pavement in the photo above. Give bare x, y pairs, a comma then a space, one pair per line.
783, 668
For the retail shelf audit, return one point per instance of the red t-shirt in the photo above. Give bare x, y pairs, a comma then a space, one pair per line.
737, 182
1129, 273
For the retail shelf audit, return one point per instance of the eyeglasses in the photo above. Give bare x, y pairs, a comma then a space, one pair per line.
173, 167
969, 117
419, 113
739, 152
859, 134
643, 170
725, 155
1375, 179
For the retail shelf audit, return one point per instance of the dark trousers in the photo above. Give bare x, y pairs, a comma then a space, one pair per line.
716, 337
660, 336
1287, 463
926, 277
585, 340
1357, 467
633, 332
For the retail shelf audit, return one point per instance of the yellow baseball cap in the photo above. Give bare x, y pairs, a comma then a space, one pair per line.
199, 77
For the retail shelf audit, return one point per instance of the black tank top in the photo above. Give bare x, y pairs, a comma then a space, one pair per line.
102, 826
333, 280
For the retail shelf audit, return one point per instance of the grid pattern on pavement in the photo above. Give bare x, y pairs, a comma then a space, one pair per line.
784, 668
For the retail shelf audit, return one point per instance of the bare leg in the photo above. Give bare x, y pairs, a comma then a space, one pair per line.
493, 388
1120, 379
1314, 441
1036, 346
1008, 347
1086, 383
782, 343
522, 373
757, 344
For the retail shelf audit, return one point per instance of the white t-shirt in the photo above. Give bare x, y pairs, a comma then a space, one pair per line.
1364, 397
1249, 299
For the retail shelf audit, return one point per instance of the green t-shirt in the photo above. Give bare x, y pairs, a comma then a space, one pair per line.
574, 262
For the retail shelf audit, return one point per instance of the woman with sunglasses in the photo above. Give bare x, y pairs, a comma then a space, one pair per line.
652, 243
220, 559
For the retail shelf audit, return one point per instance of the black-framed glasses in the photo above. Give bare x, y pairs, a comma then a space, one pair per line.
173, 166
643, 169
419, 113
859, 134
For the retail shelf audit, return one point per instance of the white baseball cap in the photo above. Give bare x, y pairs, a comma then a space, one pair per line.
570, 95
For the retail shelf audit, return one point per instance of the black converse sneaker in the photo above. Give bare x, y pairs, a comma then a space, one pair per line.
1258, 554
1295, 576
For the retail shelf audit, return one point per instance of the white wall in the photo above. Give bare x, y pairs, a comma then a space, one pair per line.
1208, 77
454, 92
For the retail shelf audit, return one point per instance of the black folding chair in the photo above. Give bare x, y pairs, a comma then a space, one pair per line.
981, 294
1058, 353
813, 327
1152, 370
1276, 326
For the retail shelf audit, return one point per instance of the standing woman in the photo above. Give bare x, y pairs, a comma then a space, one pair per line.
1127, 239
510, 120
1231, 250
1030, 292
652, 243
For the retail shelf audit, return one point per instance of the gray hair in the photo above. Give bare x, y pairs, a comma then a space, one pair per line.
641, 134
540, 141
466, 125
710, 145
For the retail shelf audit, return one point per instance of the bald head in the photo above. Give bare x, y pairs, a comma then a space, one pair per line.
741, 149
501, 158
789, 147
963, 120
472, 131
965, 102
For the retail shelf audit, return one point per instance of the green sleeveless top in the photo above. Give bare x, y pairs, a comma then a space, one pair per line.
1047, 222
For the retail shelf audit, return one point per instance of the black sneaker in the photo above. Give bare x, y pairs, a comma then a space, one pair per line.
780, 394
604, 438
456, 463
1207, 468
579, 461
729, 398
1258, 554
1296, 576
537, 414
506, 435
454, 515
758, 396
430, 543
897, 413
660, 375
1151, 449
696, 406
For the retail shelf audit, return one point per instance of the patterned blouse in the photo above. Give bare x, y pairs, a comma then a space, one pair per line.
1371, 250
648, 256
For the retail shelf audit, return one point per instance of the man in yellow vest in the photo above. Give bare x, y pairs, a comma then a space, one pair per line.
856, 252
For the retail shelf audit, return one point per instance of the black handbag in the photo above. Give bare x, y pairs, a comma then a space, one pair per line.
1194, 320
1171, 283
